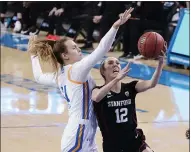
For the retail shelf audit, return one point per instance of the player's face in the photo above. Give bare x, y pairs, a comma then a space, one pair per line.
74, 52
112, 68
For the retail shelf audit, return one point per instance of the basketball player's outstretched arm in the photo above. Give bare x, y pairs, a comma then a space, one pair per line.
148, 84
81, 69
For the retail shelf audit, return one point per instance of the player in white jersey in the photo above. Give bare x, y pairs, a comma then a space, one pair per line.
75, 83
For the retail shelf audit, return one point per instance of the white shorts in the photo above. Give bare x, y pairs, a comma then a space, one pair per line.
79, 138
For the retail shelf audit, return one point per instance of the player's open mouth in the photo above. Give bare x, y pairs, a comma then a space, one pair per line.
115, 71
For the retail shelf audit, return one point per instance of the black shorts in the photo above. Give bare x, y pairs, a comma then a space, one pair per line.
137, 144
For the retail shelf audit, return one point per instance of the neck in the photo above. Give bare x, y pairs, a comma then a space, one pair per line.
67, 62
116, 88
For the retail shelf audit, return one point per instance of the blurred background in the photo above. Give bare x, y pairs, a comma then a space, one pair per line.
88, 21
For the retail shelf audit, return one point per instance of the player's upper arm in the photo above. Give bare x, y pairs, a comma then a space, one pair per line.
94, 94
144, 85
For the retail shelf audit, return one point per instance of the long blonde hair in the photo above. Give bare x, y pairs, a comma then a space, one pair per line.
48, 51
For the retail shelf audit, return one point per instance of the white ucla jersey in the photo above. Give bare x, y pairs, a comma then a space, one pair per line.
82, 123
77, 95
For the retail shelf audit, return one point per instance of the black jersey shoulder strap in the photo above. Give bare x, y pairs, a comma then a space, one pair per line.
97, 87
131, 85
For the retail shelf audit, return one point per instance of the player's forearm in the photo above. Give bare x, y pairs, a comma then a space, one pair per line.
103, 47
37, 71
102, 92
81, 69
116, 26
142, 86
39, 76
156, 75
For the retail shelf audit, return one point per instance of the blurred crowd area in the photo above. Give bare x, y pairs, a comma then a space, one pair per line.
91, 20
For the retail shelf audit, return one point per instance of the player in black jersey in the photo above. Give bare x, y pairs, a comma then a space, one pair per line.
114, 105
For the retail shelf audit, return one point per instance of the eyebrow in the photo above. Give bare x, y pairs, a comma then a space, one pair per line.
112, 60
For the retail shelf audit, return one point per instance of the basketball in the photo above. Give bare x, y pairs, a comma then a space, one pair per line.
150, 44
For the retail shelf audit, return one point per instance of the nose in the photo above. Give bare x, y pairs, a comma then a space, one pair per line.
79, 50
115, 64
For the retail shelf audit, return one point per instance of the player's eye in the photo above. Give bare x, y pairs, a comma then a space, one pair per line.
110, 62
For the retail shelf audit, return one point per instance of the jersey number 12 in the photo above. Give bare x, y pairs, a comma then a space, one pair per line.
121, 115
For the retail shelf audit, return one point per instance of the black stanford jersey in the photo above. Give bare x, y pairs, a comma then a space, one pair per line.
116, 113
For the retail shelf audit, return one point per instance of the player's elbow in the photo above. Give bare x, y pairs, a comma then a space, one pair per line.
96, 95
153, 84
36, 78
95, 98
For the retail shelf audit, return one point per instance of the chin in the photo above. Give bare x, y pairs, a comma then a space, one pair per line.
113, 76
79, 59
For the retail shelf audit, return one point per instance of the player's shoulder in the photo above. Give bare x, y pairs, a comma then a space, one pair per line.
130, 85
62, 75
98, 87
64, 69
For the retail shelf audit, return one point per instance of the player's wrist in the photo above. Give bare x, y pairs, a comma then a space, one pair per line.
116, 26
115, 80
160, 65
161, 62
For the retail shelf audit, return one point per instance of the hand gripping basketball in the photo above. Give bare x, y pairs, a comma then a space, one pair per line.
162, 55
